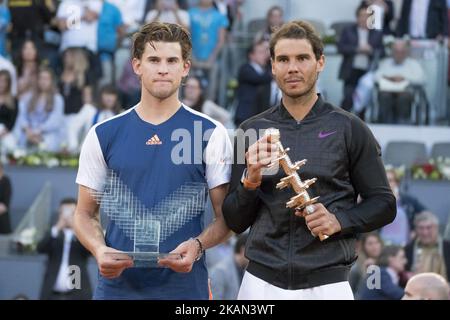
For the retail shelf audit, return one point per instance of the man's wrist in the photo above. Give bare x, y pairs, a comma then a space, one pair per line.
250, 183
200, 248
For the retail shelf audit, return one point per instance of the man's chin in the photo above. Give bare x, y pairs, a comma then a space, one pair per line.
162, 95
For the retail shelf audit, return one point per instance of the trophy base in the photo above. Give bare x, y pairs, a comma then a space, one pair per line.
144, 259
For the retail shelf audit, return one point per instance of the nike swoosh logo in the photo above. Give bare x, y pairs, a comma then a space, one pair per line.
325, 134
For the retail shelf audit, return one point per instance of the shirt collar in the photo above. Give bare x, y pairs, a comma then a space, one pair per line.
317, 108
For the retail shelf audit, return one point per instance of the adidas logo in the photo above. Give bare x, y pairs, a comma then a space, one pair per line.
153, 141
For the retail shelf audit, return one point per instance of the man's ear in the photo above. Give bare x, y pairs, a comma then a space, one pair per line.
186, 67
271, 63
136, 63
321, 63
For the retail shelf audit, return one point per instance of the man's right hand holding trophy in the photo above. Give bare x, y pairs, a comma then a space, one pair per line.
268, 152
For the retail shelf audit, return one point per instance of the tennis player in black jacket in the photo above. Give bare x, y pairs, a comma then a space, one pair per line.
286, 260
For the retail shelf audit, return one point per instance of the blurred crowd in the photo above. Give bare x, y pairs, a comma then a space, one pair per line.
65, 65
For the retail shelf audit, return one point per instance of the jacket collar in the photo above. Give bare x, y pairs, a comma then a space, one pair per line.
318, 108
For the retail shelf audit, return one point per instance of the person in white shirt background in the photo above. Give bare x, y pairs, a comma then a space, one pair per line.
395, 77
78, 21
168, 11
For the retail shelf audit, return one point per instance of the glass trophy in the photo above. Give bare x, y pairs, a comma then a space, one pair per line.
146, 227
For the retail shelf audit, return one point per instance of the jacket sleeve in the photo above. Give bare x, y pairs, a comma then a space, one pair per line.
368, 177
240, 206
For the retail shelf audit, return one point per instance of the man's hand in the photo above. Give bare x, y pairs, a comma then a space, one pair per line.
259, 155
321, 220
188, 251
366, 49
109, 266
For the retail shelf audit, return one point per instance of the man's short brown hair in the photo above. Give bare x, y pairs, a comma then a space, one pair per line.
298, 30
162, 32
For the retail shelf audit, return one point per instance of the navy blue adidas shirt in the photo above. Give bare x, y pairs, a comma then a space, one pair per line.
153, 161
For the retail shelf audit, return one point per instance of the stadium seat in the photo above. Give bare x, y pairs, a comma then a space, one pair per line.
441, 149
406, 153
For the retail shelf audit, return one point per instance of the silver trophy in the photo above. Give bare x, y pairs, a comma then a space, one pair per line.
148, 227
302, 200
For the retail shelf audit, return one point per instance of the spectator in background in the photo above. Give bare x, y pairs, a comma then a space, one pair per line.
133, 11
230, 9
29, 19
5, 23
40, 119
360, 47
208, 32
5, 64
392, 263
397, 77
400, 231
110, 30
421, 19
27, 63
427, 286
428, 252
371, 248
84, 33
129, 87
5, 198
386, 8
8, 106
64, 250
168, 11
252, 76
89, 115
274, 21
194, 97
73, 79
226, 276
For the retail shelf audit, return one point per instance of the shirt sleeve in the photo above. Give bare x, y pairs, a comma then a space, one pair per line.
218, 157
92, 169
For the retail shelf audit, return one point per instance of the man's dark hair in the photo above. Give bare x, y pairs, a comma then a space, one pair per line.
253, 46
362, 6
388, 251
162, 32
298, 30
272, 9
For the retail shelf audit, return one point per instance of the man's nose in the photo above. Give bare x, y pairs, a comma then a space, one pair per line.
163, 68
293, 67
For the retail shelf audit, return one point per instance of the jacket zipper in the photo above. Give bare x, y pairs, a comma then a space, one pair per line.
291, 232
290, 259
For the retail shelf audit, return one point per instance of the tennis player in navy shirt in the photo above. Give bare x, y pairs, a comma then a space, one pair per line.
155, 148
